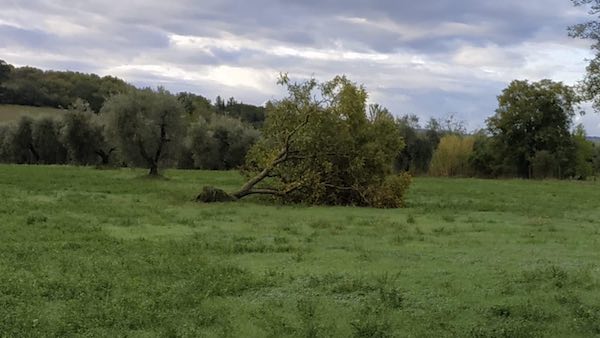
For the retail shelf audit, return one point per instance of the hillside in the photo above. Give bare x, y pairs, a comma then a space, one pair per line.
11, 112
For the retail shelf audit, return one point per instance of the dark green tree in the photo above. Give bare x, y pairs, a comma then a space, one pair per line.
533, 117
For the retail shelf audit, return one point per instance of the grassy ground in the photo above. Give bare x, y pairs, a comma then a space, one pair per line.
11, 112
110, 253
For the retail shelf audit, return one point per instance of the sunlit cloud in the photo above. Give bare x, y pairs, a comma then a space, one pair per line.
413, 57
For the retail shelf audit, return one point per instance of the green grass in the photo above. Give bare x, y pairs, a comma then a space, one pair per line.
87, 252
12, 112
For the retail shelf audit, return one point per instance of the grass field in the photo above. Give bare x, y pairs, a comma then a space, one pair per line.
12, 112
108, 253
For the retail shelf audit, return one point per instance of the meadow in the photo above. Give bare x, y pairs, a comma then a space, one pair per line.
107, 253
12, 112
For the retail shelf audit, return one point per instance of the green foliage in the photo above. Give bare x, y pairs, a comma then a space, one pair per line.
543, 165
32, 86
195, 105
20, 142
419, 144
253, 115
590, 30
583, 165
319, 146
451, 158
222, 143
391, 193
5, 153
84, 136
534, 117
45, 139
146, 125
483, 160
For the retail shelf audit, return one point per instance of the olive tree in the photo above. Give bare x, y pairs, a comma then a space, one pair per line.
84, 136
146, 125
222, 143
46, 141
19, 140
320, 145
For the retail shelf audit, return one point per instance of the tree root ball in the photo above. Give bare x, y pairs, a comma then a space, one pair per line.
211, 194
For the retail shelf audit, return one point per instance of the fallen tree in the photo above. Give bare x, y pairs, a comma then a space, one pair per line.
319, 145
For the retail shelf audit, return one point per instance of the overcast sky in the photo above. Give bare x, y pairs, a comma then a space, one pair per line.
428, 58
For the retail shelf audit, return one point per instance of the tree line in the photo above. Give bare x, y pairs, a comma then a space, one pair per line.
531, 135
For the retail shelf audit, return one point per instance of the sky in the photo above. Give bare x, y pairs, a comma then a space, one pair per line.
430, 58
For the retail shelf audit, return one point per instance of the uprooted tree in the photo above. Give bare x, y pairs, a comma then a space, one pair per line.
320, 145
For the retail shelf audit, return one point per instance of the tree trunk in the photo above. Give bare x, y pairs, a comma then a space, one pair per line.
104, 156
36, 156
153, 170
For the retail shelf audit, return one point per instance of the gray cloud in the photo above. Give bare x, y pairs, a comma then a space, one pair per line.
427, 57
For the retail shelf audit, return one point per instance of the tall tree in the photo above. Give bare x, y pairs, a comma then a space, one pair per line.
147, 126
590, 30
533, 117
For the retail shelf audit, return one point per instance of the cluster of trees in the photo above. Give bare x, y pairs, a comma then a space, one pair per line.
140, 127
321, 144
531, 135
35, 87
202, 135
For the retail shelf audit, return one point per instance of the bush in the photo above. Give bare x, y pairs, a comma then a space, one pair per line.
390, 193
451, 158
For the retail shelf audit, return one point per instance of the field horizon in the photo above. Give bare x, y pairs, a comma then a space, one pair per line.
88, 252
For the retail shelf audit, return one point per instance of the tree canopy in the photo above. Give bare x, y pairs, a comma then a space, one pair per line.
533, 117
147, 126
322, 145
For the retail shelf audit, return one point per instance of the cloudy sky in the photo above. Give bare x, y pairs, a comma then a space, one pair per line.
428, 58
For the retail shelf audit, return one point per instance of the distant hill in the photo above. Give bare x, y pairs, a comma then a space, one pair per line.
594, 139
11, 112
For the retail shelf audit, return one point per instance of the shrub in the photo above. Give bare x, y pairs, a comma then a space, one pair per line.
390, 193
451, 158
